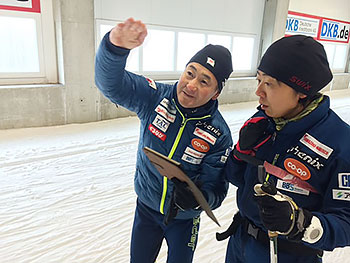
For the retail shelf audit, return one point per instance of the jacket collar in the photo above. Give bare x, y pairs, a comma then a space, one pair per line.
306, 120
207, 109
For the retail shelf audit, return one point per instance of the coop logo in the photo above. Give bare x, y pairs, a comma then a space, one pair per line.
200, 145
296, 168
344, 180
157, 132
334, 30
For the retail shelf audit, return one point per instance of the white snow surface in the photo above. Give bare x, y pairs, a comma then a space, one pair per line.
66, 192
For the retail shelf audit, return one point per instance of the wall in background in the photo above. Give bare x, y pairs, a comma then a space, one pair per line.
77, 100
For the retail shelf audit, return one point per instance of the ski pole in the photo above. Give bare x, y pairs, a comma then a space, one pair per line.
272, 235
273, 246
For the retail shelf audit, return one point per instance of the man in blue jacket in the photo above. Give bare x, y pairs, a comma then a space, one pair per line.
181, 121
295, 130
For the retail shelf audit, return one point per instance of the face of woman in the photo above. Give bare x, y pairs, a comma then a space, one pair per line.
276, 98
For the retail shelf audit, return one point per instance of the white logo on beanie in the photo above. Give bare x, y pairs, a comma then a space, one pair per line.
210, 61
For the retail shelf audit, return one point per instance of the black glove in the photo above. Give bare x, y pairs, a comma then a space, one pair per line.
183, 196
279, 212
252, 135
172, 211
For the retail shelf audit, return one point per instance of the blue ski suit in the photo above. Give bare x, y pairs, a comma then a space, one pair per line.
316, 147
197, 138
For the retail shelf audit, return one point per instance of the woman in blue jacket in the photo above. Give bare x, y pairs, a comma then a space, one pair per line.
180, 121
294, 129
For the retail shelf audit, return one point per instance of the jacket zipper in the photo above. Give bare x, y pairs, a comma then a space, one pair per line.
172, 151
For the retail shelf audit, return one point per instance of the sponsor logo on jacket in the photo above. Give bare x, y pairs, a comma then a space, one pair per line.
151, 83
190, 159
163, 112
205, 135
339, 194
314, 162
297, 168
157, 132
194, 153
200, 145
316, 146
344, 180
291, 187
209, 127
169, 107
161, 123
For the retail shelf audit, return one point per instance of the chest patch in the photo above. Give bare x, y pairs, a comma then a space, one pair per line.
205, 135
344, 180
316, 146
164, 113
200, 145
157, 132
297, 169
161, 123
291, 187
190, 159
339, 194
151, 83
194, 153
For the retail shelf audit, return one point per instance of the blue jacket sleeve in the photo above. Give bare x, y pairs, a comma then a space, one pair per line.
335, 212
234, 171
215, 186
120, 86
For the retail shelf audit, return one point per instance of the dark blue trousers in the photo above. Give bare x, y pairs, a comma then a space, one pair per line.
149, 231
243, 248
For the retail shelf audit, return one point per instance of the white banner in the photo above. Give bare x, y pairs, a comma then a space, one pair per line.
334, 30
16, 3
302, 25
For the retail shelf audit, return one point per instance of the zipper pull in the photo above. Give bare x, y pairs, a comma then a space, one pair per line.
274, 136
182, 123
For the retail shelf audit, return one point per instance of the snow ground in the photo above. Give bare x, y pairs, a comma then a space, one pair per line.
66, 192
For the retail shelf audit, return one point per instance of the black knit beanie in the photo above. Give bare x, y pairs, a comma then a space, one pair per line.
217, 59
298, 61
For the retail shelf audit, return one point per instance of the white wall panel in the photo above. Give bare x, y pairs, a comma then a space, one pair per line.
222, 15
335, 9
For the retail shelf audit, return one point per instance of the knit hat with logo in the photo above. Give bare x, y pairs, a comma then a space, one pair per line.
298, 61
217, 59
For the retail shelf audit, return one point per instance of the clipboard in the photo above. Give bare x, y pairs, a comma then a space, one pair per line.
170, 169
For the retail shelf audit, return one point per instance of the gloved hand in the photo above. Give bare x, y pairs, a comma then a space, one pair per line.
279, 213
183, 196
252, 135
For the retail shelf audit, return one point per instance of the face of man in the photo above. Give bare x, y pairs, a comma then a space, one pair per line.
196, 86
276, 98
